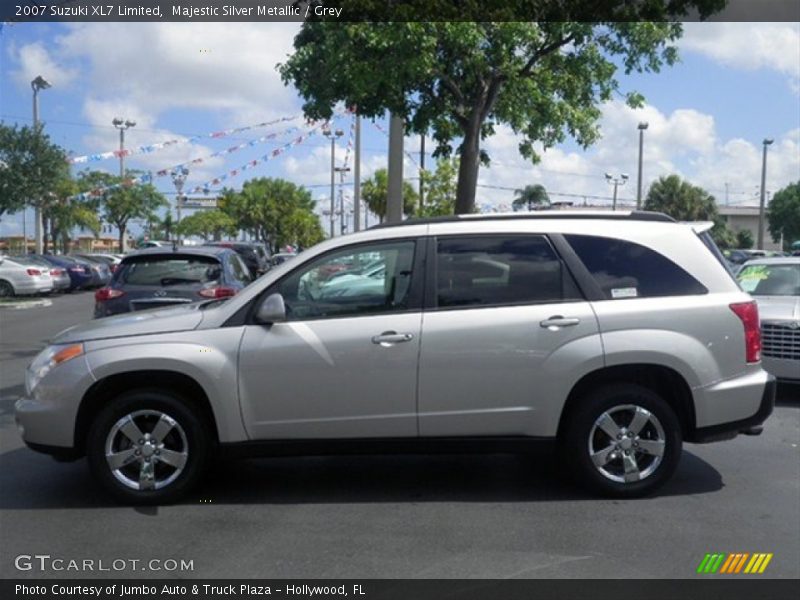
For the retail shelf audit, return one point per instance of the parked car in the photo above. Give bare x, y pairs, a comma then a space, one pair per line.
247, 250
101, 272
59, 275
159, 277
741, 256
280, 258
264, 256
79, 272
112, 260
22, 277
154, 244
775, 284
620, 336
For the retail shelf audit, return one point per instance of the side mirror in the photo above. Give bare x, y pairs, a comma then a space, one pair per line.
271, 310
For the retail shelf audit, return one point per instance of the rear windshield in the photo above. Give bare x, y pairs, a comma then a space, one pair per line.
770, 280
169, 270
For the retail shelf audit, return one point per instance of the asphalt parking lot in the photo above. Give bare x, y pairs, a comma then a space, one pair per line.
393, 517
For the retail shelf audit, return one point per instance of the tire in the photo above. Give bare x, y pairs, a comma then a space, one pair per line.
587, 440
6, 289
145, 476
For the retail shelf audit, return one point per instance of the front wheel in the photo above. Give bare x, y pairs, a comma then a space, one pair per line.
147, 447
6, 290
622, 440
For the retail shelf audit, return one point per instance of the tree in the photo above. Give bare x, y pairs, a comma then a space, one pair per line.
744, 239
375, 192
460, 80
686, 202
275, 211
530, 197
784, 215
208, 224
120, 205
63, 212
32, 166
440, 188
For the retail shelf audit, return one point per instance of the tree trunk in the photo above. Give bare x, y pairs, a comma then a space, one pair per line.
468, 168
121, 238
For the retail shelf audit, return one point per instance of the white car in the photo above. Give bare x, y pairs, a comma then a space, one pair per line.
19, 277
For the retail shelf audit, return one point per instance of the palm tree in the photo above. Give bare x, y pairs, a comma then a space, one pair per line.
531, 197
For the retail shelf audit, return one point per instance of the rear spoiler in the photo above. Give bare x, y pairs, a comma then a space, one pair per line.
699, 226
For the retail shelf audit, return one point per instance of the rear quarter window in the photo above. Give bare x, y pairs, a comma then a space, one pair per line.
624, 269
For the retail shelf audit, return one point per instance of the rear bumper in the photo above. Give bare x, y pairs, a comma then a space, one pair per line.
726, 431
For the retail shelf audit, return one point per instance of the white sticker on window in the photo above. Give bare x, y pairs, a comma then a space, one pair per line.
629, 292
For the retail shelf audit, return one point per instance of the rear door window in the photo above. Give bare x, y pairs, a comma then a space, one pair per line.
624, 269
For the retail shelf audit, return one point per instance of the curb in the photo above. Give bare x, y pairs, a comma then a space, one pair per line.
26, 304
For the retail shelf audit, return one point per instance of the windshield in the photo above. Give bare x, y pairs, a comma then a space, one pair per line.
164, 271
771, 280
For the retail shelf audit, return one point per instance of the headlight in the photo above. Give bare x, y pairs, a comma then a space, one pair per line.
49, 358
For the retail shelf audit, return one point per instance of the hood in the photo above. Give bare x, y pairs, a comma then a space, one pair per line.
778, 308
181, 318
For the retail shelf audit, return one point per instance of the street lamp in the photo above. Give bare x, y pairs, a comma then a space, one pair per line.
642, 126
179, 175
333, 135
341, 171
762, 203
616, 181
122, 126
38, 84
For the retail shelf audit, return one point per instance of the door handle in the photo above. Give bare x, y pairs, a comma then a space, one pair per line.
390, 338
556, 322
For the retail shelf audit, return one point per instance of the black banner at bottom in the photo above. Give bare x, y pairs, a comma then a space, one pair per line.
399, 589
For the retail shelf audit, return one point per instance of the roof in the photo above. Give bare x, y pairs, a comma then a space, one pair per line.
775, 260
621, 215
215, 251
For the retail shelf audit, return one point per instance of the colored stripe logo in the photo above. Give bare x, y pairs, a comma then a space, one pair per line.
734, 563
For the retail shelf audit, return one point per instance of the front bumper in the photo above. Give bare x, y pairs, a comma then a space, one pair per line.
726, 431
785, 369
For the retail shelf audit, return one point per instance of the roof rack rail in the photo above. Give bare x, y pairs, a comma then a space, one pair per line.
634, 215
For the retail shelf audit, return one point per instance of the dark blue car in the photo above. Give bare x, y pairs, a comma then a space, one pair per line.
80, 274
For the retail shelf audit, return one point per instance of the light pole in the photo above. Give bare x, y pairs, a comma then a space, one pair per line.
179, 175
122, 126
38, 84
642, 126
341, 171
333, 135
762, 203
616, 181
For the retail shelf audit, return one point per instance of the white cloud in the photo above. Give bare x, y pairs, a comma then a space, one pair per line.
750, 46
34, 60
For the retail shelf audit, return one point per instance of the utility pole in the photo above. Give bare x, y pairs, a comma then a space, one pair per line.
616, 182
394, 203
122, 126
642, 126
357, 177
38, 84
762, 203
341, 171
333, 135
421, 171
727, 193
179, 175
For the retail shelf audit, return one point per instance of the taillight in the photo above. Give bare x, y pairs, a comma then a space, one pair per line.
34, 272
104, 294
748, 313
76, 269
57, 272
114, 268
217, 292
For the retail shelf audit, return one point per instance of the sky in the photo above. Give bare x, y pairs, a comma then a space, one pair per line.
735, 84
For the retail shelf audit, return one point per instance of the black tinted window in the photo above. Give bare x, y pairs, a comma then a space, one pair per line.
627, 270
168, 270
497, 270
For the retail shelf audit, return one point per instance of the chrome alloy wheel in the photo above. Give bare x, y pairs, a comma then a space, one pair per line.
626, 443
146, 450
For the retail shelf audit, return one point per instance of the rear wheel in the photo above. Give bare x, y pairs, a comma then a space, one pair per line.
6, 289
623, 440
147, 447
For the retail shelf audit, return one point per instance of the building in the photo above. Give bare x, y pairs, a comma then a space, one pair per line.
739, 218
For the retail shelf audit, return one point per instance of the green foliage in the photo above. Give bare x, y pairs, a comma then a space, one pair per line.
62, 212
375, 192
208, 224
275, 211
120, 205
30, 167
459, 80
686, 202
440, 188
784, 215
531, 197
744, 239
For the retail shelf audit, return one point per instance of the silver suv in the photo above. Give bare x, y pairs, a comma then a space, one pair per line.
617, 335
